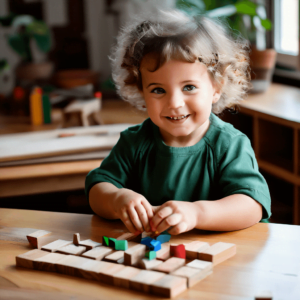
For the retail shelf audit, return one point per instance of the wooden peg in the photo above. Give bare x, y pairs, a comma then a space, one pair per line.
76, 239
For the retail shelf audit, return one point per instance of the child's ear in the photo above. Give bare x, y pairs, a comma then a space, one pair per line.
216, 96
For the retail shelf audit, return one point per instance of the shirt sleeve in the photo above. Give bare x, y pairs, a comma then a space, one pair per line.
239, 174
116, 167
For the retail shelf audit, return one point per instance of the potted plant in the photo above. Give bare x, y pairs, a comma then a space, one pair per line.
248, 18
24, 30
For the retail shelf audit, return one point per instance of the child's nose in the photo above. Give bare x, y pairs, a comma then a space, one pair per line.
175, 101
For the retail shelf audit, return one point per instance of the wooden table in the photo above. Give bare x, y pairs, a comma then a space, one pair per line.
267, 258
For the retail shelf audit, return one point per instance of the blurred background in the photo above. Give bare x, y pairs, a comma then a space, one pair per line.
60, 113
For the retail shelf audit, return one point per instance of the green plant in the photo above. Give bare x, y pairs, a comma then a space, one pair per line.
236, 12
25, 28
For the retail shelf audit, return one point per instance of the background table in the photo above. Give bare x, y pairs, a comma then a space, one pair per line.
267, 258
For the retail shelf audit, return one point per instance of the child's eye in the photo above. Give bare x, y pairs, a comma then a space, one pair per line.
158, 91
189, 88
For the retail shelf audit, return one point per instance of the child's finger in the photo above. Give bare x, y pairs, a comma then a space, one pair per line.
135, 219
172, 220
179, 228
160, 215
126, 220
141, 211
148, 208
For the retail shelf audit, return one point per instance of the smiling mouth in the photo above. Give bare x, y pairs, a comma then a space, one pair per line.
178, 118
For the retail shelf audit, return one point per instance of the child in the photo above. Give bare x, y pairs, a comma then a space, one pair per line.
183, 167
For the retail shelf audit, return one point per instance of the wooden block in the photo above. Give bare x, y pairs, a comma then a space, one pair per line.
200, 264
98, 253
106, 275
192, 275
35, 238
130, 237
89, 244
170, 265
122, 277
133, 255
264, 295
150, 255
54, 246
169, 286
26, 260
91, 268
177, 251
70, 264
218, 252
71, 249
121, 245
163, 238
164, 252
192, 249
155, 245
141, 282
47, 262
147, 264
115, 257
76, 239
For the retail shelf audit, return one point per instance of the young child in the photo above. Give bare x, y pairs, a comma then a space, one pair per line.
183, 167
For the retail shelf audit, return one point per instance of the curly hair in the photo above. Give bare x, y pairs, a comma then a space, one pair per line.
174, 35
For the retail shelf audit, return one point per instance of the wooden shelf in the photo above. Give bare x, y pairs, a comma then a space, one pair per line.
271, 120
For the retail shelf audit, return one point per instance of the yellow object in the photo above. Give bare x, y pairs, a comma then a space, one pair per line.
36, 107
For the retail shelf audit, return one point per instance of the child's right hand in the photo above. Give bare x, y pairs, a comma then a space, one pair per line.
134, 210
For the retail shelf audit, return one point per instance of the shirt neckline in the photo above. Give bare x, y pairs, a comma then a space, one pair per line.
163, 148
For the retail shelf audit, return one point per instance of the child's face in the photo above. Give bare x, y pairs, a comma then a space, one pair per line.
178, 89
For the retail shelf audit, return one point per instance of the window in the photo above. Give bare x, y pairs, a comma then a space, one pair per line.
286, 32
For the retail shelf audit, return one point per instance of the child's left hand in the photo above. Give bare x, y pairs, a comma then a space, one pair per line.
181, 216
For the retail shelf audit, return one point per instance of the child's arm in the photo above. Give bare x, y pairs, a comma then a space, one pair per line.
110, 202
234, 212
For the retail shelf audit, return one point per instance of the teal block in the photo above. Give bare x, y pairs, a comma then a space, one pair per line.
163, 238
111, 242
150, 255
121, 245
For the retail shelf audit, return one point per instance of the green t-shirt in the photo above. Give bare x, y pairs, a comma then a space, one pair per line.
222, 163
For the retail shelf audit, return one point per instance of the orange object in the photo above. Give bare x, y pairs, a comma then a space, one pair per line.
178, 251
36, 107
98, 95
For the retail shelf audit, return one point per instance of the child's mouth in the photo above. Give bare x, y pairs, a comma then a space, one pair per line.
180, 119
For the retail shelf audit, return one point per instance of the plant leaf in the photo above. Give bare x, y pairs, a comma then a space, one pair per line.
266, 23
246, 7
224, 11
17, 44
22, 20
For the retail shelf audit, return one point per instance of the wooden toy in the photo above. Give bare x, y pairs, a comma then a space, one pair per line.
69, 265
164, 252
106, 274
36, 107
169, 286
150, 255
134, 254
89, 244
192, 249
76, 239
105, 241
147, 264
122, 277
264, 295
141, 282
26, 260
71, 249
91, 268
47, 262
192, 275
54, 246
121, 245
155, 245
163, 237
218, 252
116, 257
130, 237
35, 238
147, 241
97, 253
112, 242
177, 251
170, 265
200, 264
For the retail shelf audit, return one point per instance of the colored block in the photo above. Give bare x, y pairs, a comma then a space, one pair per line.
147, 241
121, 245
111, 242
105, 241
163, 238
150, 255
178, 251
155, 245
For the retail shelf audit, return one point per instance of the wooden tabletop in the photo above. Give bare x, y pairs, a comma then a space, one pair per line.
267, 258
